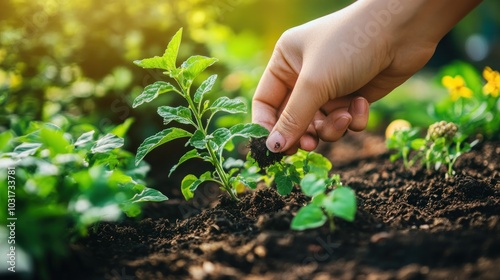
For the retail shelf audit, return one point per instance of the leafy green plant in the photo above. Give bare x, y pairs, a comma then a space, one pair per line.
207, 145
400, 141
442, 145
329, 199
62, 185
310, 170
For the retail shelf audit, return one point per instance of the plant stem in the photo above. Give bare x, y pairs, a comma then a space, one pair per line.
452, 162
222, 174
332, 224
405, 160
213, 155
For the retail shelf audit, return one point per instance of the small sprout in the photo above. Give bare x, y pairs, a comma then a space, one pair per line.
401, 140
442, 145
396, 125
326, 203
329, 198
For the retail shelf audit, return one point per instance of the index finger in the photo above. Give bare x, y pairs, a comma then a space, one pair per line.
271, 95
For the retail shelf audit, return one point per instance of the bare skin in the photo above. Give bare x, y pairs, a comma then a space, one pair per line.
323, 74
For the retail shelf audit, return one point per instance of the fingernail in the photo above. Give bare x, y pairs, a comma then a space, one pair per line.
341, 123
275, 142
360, 106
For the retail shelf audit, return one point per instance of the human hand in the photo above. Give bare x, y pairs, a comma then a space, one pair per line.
322, 74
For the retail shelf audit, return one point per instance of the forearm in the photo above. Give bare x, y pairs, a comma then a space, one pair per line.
426, 20
432, 19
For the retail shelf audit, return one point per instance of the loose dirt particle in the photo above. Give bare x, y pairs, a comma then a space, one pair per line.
262, 155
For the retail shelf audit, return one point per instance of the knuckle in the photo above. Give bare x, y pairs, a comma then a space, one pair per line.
330, 135
290, 123
286, 38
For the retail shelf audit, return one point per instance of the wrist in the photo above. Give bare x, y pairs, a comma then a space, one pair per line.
427, 21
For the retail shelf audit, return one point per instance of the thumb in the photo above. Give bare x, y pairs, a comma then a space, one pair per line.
298, 113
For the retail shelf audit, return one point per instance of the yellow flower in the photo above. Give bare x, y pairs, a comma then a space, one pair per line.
456, 87
492, 86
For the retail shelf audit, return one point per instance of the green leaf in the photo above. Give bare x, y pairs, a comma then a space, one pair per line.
198, 140
248, 130
417, 144
152, 91
233, 163
180, 114
318, 164
394, 157
5, 138
33, 131
55, 141
130, 209
284, 183
220, 135
203, 177
148, 195
225, 104
157, 62
85, 138
186, 186
172, 50
311, 185
167, 61
195, 185
341, 202
310, 216
190, 183
187, 156
107, 143
27, 149
205, 87
318, 200
194, 65
248, 182
158, 139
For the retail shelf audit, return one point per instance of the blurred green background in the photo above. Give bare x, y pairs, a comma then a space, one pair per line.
70, 62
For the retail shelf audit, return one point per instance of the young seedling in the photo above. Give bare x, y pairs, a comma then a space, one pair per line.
400, 141
310, 170
198, 113
442, 145
329, 199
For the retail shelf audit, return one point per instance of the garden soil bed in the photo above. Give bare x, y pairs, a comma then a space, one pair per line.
409, 225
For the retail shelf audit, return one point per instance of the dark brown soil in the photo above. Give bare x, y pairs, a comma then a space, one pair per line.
409, 225
261, 153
